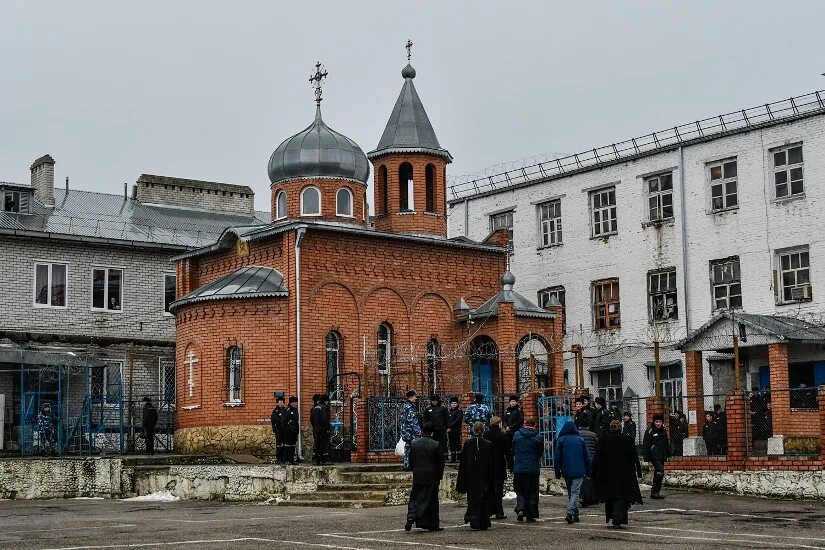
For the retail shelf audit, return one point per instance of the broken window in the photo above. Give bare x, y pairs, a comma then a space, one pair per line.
609, 383
661, 288
660, 197
606, 313
787, 171
603, 211
723, 193
504, 220
558, 293
795, 276
726, 284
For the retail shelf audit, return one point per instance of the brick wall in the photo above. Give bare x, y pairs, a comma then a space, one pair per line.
329, 188
207, 195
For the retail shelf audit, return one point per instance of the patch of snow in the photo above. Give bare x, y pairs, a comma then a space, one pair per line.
509, 495
272, 500
160, 496
644, 487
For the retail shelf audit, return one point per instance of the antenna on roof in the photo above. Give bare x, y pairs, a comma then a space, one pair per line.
125, 191
67, 184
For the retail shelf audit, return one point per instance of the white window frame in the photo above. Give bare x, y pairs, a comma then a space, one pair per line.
234, 394
338, 204
658, 195
320, 201
550, 227
597, 214
163, 365
163, 292
49, 283
11, 192
107, 269
786, 169
724, 182
278, 215
505, 214
726, 285
780, 270
652, 295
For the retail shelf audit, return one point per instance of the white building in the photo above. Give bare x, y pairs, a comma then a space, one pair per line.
647, 239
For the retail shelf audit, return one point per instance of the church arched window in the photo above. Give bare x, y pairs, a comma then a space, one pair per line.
430, 188
384, 348
280, 205
333, 350
433, 365
383, 191
343, 202
405, 187
310, 202
234, 364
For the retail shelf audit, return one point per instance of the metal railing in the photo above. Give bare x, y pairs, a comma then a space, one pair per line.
767, 114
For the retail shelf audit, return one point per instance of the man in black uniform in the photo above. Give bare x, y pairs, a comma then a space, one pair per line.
584, 412
150, 421
436, 416
289, 430
275, 419
513, 422
454, 426
321, 430
656, 449
601, 418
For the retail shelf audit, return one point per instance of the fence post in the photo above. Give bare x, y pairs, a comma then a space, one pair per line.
529, 405
735, 410
654, 406
822, 421
780, 397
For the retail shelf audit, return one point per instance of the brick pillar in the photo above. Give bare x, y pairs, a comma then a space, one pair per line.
822, 421
695, 390
529, 405
780, 398
654, 406
736, 407
555, 355
466, 400
360, 455
506, 333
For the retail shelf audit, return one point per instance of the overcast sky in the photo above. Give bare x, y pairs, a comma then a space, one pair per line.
208, 89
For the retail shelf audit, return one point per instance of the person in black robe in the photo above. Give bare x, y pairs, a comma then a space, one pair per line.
513, 422
436, 415
321, 423
456, 421
502, 459
150, 421
427, 464
290, 427
475, 478
616, 470
275, 419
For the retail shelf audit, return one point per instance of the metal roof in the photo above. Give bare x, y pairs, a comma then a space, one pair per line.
779, 327
318, 151
86, 215
522, 307
246, 282
408, 129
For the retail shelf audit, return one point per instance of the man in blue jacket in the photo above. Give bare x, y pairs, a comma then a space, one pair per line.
528, 448
571, 460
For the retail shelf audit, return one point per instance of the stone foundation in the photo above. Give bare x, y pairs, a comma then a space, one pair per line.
252, 440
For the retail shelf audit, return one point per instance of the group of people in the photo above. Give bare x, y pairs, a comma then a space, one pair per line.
285, 425
715, 431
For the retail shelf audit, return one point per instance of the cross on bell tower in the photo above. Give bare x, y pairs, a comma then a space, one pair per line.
315, 80
409, 49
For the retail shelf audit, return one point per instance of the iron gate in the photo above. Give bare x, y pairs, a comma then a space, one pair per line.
553, 412
384, 419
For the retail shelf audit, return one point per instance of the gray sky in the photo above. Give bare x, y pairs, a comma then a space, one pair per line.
207, 90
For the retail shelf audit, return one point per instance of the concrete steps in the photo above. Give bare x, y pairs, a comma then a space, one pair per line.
333, 503
357, 486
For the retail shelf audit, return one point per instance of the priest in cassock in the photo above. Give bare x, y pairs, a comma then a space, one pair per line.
427, 465
475, 478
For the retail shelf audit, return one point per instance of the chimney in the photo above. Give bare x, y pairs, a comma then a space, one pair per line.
43, 180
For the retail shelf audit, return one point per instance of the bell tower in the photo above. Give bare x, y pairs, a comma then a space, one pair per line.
410, 189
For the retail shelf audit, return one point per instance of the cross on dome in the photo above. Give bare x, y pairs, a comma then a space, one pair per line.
409, 49
315, 80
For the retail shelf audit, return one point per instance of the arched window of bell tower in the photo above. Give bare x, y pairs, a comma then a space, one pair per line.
405, 187
429, 178
383, 202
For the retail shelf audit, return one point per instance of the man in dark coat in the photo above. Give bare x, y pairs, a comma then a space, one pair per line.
588, 489
427, 464
710, 434
601, 418
513, 421
616, 471
275, 420
289, 429
656, 448
475, 478
628, 426
456, 420
583, 411
321, 429
437, 416
502, 461
150, 421
528, 449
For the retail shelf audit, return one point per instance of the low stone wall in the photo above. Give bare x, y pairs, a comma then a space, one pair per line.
766, 483
252, 440
61, 478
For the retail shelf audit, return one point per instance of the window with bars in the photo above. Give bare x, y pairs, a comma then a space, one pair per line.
503, 220
603, 212
609, 383
234, 365
332, 343
723, 187
170, 285
166, 381
558, 293
794, 276
726, 284
660, 197
661, 291
384, 348
787, 171
606, 310
433, 365
50, 285
105, 382
550, 219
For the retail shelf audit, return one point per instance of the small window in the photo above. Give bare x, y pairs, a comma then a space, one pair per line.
191, 365
603, 212
433, 366
406, 191
723, 187
170, 287
50, 285
661, 292
280, 206
234, 364
550, 218
430, 188
557, 292
107, 289
504, 220
726, 283
794, 276
105, 383
787, 171
333, 350
606, 311
11, 201
660, 197
311, 202
609, 383
343, 202
384, 191
166, 381
384, 348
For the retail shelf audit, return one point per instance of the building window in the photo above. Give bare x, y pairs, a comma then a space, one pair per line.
606, 313
671, 383
787, 171
430, 188
365, 207
107, 289
660, 197
170, 287
503, 220
310, 202
105, 382
50, 285
233, 367
433, 365
384, 191
343, 202
333, 351
723, 194
608, 383
603, 212
384, 348
280, 205
794, 276
166, 381
191, 361
14, 201
726, 283
405, 187
558, 293
661, 293
550, 219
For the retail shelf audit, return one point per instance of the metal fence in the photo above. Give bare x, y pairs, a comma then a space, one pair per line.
795, 410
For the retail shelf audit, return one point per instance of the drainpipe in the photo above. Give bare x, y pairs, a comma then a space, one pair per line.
466, 218
299, 236
684, 236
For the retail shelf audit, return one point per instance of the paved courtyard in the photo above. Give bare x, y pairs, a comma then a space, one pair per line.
683, 520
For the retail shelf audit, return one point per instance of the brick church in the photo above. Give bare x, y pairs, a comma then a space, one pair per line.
322, 301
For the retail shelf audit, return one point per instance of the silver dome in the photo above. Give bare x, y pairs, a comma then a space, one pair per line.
318, 151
